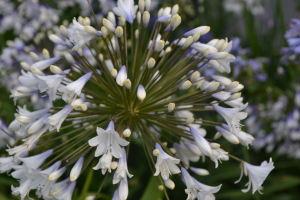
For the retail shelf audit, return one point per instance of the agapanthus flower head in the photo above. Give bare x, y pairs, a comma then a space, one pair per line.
149, 86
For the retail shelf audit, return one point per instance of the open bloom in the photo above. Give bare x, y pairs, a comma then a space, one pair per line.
257, 175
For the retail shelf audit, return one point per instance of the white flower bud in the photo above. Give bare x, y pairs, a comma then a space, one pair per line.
159, 46
214, 145
80, 20
171, 107
234, 96
173, 150
194, 77
37, 72
141, 6
230, 137
199, 83
136, 33
189, 120
151, 63
56, 174
146, 18
217, 135
212, 87
169, 184
25, 119
219, 44
108, 25
90, 197
223, 80
114, 165
156, 152
114, 72
232, 85
111, 17
46, 54
128, 84
104, 31
141, 93
147, 4
138, 17
160, 187
25, 66
26, 90
119, 31
175, 21
175, 9
185, 85
122, 20
127, 132
79, 51
165, 144
57, 40
199, 171
90, 30
75, 172
168, 49
237, 89
100, 56
160, 12
77, 103
196, 37
55, 70
205, 52
83, 107
187, 42
34, 56
218, 56
63, 30
122, 76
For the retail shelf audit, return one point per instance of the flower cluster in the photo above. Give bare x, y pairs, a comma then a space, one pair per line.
132, 84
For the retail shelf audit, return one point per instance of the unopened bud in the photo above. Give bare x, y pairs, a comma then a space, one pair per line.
175, 21
128, 84
104, 31
46, 54
56, 174
114, 165
114, 72
214, 145
122, 20
141, 6
194, 77
127, 132
90, 30
37, 72
79, 51
196, 37
173, 150
75, 172
55, 70
190, 120
63, 30
141, 93
34, 56
161, 187
237, 89
160, 12
25, 66
171, 107
232, 85
147, 4
187, 42
80, 20
90, 197
185, 85
137, 33
169, 184
83, 107
119, 31
159, 46
151, 63
234, 96
156, 152
217, 135
138, 17
199, 171
111, 17
218, 56
212, 87
175, 9
199, 83
24, 119
146, 18
110, 27
165, 144
100, 56
168, 50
